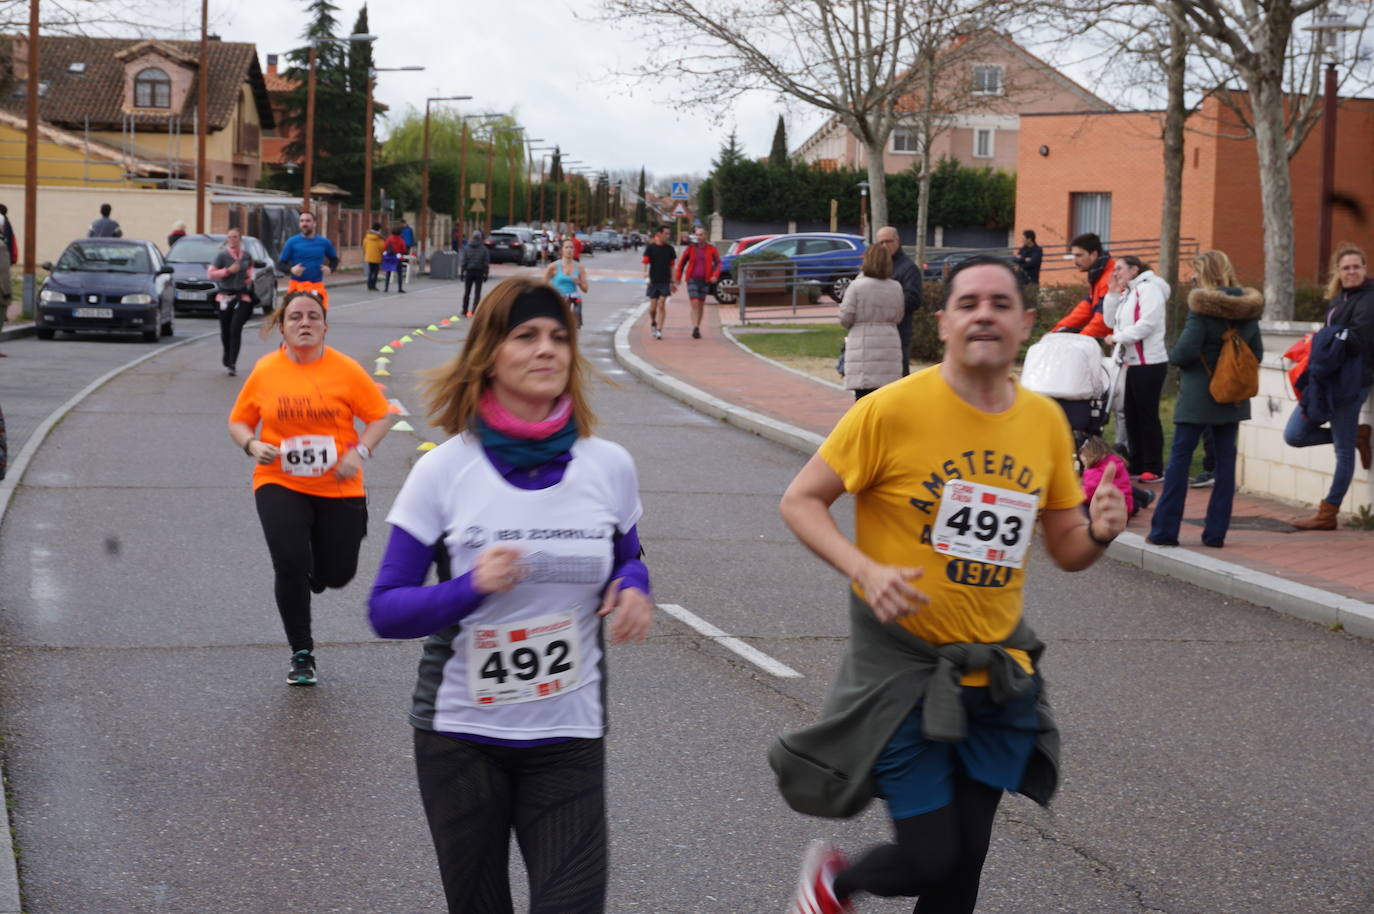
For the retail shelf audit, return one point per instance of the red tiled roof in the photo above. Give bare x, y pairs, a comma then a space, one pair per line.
97, 93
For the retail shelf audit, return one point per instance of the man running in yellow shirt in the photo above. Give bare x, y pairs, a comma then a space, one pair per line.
938, 707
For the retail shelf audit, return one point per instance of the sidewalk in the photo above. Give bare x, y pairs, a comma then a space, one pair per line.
1322, 577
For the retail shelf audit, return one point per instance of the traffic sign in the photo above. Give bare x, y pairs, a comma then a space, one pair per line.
477, 207
680, 191
679, 211
477, 191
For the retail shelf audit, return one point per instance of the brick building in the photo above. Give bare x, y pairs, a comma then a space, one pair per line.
990, 86
1104, 172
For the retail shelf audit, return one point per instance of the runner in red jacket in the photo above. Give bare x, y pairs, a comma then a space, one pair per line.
700, 266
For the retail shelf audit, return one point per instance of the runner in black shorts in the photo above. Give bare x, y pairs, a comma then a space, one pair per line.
658, 269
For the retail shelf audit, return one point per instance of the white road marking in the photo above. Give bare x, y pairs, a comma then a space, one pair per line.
748, 652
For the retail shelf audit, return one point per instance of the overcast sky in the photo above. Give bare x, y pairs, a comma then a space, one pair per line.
535, 58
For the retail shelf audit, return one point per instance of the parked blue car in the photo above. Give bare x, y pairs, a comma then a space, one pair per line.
829, 258
107, 284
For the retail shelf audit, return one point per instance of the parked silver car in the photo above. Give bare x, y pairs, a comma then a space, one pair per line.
190, 259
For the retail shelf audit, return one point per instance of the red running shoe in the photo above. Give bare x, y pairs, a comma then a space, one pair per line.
816, 887
1149, 478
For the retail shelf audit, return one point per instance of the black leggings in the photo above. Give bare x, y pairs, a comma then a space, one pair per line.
1144, 384
310, 537
472, 278
554, 797
938, 855
231, 321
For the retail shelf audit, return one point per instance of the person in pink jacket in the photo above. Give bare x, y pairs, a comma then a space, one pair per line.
1095, 455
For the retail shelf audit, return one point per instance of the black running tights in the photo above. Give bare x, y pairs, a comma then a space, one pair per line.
231, 321
554, 797
938, 856
309, 536
472, 279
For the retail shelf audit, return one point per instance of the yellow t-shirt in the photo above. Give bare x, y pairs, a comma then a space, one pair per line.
895, 450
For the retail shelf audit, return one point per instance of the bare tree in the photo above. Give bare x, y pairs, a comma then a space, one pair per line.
853, 58
1264, 46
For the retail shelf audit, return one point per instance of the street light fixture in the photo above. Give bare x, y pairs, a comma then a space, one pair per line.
1329, 30
424, 174
310, 110
367, 151
863, 210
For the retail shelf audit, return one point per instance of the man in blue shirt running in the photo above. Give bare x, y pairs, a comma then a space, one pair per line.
309, 258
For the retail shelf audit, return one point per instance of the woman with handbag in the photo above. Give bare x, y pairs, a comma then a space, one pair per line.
1214, 307
232, 269
536, 520
1351, 293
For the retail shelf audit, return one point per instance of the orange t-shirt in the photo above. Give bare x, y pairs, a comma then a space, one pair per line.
321, 398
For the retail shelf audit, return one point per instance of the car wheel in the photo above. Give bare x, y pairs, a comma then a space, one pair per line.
837, 286
727, 290
45, 333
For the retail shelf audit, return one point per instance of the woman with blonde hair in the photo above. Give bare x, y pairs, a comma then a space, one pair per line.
531, 521
1351, 294
871, 310
1216, 305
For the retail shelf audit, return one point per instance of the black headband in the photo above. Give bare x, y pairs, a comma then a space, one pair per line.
540, 301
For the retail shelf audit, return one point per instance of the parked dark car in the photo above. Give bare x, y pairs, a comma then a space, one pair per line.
831, 259
588, 247
190, 259
107, 284
937, 266
606, 241
512, 245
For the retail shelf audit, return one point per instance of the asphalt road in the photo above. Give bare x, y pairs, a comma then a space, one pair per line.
1216, 755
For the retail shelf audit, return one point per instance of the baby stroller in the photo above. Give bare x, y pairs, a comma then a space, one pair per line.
1070, 368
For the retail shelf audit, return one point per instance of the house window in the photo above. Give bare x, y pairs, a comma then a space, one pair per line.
982, 143
987, 79
152, 89
1091, 213
904, 140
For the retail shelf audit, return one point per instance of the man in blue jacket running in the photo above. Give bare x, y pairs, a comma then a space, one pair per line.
309, 258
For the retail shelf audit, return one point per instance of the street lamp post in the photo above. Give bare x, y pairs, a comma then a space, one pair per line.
863, 210
310, 111
528, 207
31, 166
367, 142
424, 173
1329, 29
202, 106
463, 171
563, 164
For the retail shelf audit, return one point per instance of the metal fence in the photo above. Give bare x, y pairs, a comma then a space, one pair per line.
803, 282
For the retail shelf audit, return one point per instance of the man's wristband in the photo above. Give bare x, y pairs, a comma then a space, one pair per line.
250, 441
1093, 536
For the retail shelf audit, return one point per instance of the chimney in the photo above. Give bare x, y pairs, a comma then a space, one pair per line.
271, 64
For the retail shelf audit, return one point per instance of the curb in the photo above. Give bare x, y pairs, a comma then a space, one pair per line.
1257, 587
764, 426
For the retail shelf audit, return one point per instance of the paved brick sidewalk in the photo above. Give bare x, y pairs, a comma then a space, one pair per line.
1260, 539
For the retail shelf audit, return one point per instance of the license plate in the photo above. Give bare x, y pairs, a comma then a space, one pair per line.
195, 296
93, 312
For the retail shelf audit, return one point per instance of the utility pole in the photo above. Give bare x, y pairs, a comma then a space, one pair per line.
202, 110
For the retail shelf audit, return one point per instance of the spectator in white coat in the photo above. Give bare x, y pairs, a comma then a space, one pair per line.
871, 310
1135, 310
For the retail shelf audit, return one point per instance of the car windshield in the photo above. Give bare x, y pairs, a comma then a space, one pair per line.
194, 250
104, 257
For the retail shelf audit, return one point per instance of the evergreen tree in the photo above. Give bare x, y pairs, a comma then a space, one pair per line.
730, 154
340, 101
778, 154
642, 206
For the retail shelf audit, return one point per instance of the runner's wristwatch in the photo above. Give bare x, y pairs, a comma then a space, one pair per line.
363, 450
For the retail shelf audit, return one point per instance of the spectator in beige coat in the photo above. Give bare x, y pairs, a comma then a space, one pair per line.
871, 310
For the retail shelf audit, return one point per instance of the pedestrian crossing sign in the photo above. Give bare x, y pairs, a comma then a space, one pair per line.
680, 191
679, 211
